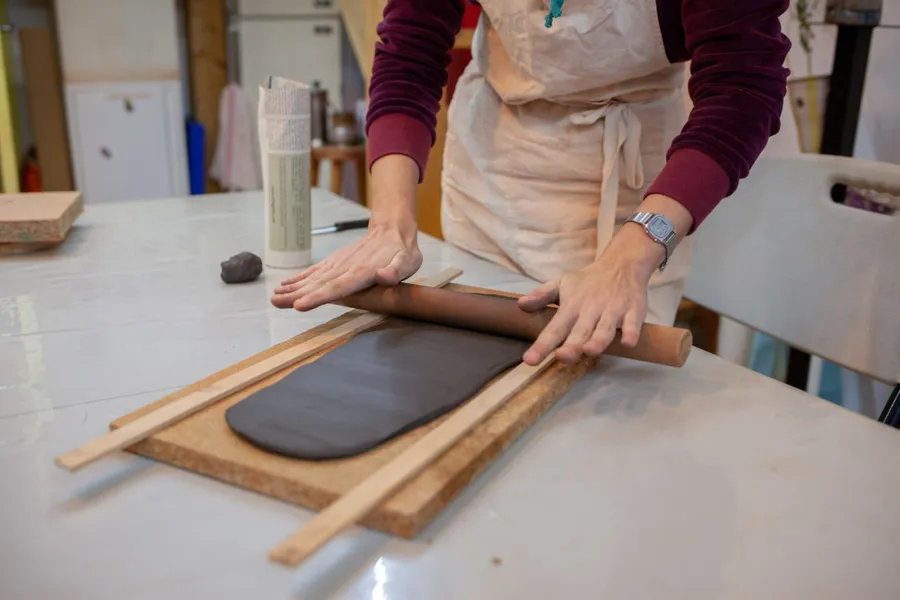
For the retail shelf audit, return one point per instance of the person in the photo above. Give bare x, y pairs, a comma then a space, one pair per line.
570, 155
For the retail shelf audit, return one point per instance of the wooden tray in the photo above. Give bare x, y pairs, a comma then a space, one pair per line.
203, 443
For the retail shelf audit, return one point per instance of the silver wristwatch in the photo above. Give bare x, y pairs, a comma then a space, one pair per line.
660, 230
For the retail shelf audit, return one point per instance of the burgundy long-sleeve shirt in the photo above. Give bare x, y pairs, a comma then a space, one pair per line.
738, 83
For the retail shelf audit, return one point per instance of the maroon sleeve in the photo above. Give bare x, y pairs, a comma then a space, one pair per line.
738, 83
408, 76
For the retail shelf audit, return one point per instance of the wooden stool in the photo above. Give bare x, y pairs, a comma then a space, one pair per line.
338, 155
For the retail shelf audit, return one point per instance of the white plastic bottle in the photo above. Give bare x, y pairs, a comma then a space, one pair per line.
284, 143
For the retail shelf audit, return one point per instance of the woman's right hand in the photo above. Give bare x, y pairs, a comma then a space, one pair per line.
387, 255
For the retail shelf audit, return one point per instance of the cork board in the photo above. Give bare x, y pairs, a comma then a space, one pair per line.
43, 218
204, 443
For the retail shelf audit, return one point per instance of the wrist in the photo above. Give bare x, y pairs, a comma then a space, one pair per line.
403, 226
636, 251
394, 180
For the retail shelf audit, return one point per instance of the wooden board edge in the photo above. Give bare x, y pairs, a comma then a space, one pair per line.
70, 215
410, 525
217, 469
11, 248
281, 489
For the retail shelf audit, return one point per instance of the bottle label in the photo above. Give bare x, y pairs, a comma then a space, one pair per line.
290, 225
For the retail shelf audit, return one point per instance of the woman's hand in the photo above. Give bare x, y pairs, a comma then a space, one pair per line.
387, 255
607, 295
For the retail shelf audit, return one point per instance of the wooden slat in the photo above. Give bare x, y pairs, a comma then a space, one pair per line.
412, 461
172, 413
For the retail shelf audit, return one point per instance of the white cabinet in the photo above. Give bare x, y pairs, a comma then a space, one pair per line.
281, 8
127, 140
295, 39
304, 50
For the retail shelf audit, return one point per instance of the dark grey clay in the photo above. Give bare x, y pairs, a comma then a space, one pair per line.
382, 383
241, 268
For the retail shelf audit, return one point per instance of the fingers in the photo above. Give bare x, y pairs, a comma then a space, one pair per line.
573, 348
539, 298
631, 326
298, 277
284, 295
551, 337
334, 289
291, 293
586, 334
604, 332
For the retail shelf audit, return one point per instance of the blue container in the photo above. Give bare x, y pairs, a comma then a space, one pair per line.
196, 140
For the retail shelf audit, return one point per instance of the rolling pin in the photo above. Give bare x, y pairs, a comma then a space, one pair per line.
498, 315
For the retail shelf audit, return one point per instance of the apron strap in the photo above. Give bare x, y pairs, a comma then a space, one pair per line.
621, 134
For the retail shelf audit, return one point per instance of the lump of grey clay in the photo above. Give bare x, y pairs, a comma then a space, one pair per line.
241, 268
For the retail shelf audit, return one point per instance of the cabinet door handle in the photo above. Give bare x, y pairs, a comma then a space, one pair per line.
322, 30
323, 4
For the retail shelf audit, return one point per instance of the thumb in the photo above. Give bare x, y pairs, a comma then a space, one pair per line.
395, 271
540, 297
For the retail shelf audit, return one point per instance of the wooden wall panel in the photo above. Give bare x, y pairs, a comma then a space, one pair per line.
46, 107
208, 66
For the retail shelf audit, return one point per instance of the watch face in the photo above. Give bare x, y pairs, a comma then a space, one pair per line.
659, 227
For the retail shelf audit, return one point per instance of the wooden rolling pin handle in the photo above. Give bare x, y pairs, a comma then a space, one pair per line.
658, 344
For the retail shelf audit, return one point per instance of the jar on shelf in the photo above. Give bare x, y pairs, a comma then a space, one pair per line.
343, 129
319, 114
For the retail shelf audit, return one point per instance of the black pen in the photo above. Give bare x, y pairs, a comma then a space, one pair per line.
341, 226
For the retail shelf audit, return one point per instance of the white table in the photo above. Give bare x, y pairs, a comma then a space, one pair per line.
643, 482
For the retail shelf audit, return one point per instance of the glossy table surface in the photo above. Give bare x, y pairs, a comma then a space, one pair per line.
643, 482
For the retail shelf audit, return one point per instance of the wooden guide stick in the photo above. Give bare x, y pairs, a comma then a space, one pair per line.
365, 496
163, 417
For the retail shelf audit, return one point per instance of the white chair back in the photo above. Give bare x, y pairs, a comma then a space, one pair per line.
782, 258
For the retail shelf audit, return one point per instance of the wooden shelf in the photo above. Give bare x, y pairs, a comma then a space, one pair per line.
464, 40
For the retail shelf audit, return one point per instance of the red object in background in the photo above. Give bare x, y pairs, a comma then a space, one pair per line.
470, 17
30, 174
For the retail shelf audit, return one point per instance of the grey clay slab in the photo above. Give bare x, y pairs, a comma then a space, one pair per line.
382, 383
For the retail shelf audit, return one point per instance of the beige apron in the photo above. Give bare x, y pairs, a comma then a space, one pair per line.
555, 134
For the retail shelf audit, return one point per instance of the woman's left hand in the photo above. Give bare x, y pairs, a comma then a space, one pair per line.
596, 301
607, 295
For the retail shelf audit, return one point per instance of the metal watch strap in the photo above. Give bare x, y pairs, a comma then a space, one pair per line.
668, 243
